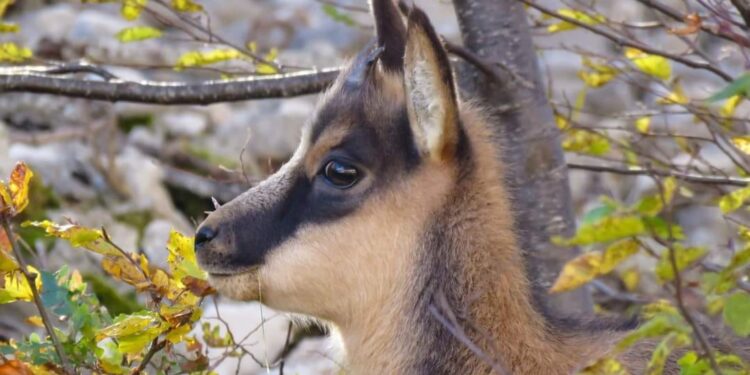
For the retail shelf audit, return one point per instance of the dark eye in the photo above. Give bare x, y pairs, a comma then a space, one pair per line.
340, 174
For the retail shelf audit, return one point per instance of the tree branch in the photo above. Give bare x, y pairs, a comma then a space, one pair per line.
743, 6
640, 171
40, 79
623, 42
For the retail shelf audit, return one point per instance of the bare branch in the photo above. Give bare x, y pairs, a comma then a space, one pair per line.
743, 6
641, 171
38, 79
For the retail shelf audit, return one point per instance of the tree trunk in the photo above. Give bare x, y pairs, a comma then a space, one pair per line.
498, 31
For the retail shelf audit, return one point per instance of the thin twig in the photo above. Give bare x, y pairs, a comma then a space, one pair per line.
156, 346
31, 280
677, 281
641, 171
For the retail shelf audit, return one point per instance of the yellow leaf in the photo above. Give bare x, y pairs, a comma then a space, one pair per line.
131, 9
135, 331
13, 53
186, 6
727, 110
588, 266
683, 258
606, 365
734, 200
585, 142
138, 33
19, 186
676, 96
201, 58
122, 268
656, 66
87, 238
181, 259
9, 27
596, 75
630, 279
643, 124
578, 16
742, 143
14, 286
5, 200
262, 68
35, 320
4, 4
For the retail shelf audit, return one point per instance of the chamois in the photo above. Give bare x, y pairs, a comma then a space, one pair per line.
389, 223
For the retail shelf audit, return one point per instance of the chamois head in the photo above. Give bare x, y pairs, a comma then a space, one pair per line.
332, 230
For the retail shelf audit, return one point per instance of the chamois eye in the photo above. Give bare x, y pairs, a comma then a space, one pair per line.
340, 174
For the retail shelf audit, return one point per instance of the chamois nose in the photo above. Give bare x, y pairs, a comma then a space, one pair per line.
204, 235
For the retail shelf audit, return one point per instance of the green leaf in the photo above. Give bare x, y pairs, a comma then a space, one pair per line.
337, 16
202, 58
737, 313
585, 142
606, 230
659, 357
138, 33
578, 15
597, 214
262, 68
740, 86
683, 258
135, 331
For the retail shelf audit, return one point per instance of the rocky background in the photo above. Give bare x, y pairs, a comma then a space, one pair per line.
139, 170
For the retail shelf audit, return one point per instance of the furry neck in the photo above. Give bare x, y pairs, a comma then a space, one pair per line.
469, 306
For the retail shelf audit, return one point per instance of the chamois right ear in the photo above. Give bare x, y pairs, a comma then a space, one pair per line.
391, 34
430, 93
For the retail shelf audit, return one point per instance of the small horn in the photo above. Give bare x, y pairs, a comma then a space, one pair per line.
361, 65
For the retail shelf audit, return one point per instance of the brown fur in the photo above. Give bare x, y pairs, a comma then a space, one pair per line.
424, 275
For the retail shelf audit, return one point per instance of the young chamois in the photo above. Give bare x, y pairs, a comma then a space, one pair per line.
389, 223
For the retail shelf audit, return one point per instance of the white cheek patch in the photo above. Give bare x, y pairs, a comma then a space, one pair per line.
426, 106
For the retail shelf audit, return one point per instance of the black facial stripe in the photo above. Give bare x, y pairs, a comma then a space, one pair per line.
260, 230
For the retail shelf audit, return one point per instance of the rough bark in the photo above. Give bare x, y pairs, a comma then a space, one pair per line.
498, 31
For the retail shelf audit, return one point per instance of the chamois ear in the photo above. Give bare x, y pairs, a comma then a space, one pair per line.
391, 34
430, 92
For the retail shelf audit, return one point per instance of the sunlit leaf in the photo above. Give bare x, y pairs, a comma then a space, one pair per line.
727, 110
734, 200
684, 256
676, 96
131, 9
186, 6
737, 313
596, 75
656, 66
578, 15
4, 4
608, 366
642, 124
135, 331
630, 279
585, 142
202, 58
607, 229
588, 266
740, 86
15, 367
263, 68
13, 53
138, 33
35, 320
181, 259
15, 287
742, 143
87, 238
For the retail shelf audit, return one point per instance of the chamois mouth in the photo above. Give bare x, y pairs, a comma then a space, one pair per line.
224, 274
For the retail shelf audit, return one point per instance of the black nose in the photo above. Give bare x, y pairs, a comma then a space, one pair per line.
204, 235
